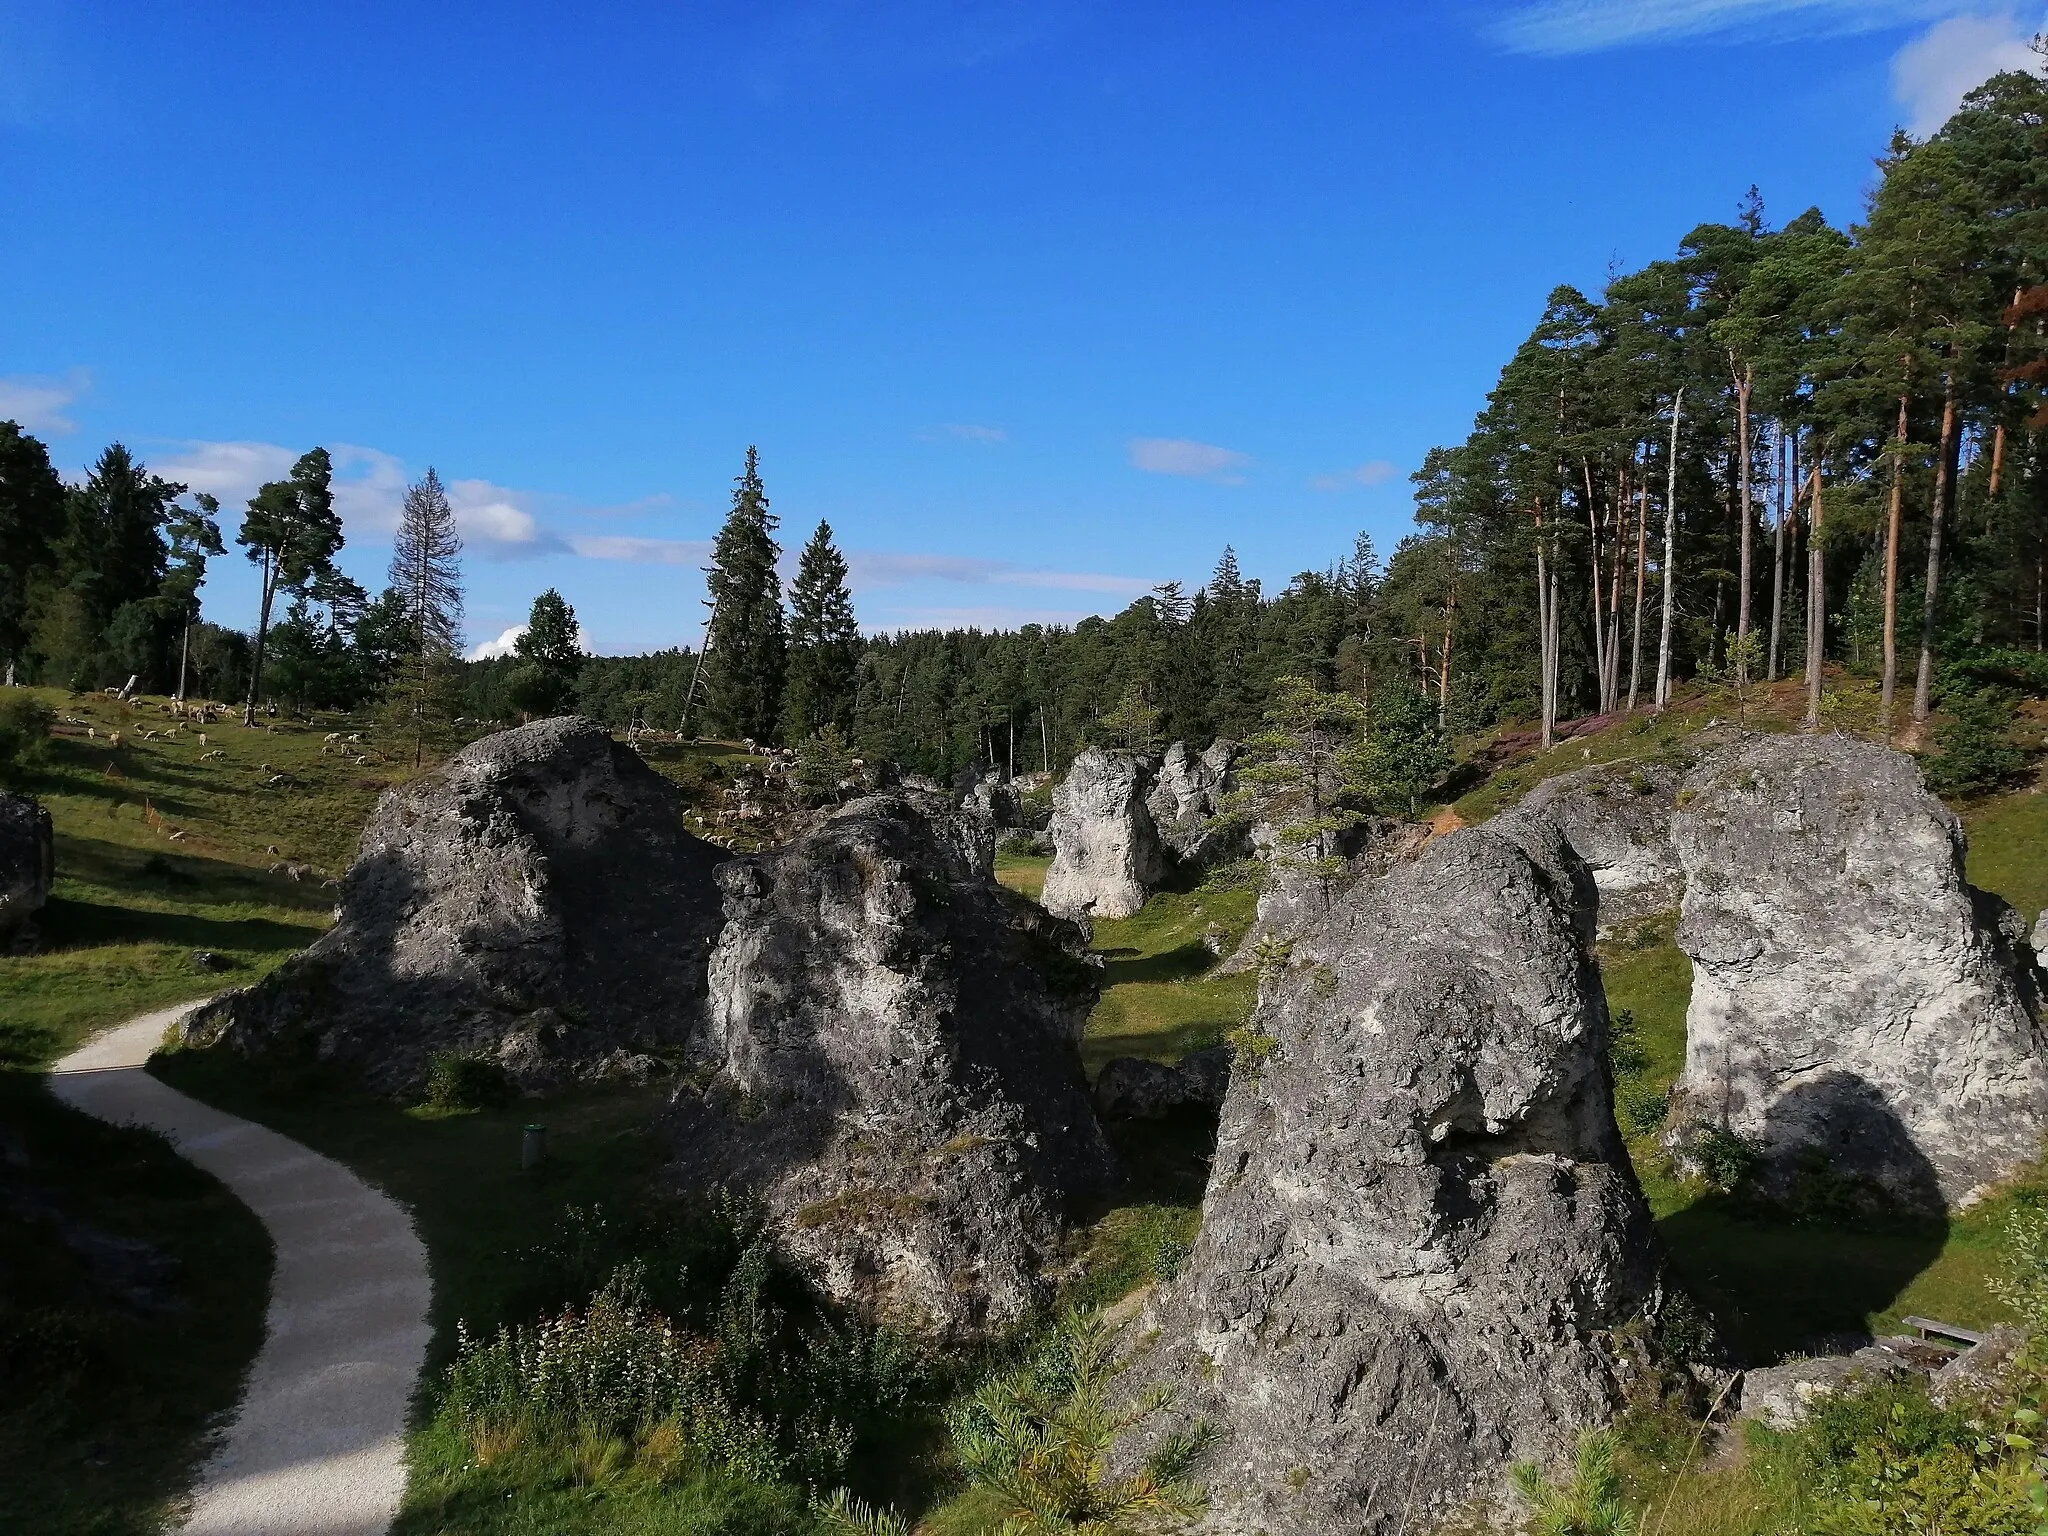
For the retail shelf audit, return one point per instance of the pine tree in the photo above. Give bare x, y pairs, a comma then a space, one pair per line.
426, 575
824, 642
550, 657
31, 513
745, 643
195, 534
291, 534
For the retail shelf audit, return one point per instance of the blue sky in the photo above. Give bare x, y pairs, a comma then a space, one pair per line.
1038, 303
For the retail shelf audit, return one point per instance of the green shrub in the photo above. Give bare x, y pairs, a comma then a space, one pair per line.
25, 723
1589, 1504
456, 1080
1042, 1438
1725, 1160
1977, 753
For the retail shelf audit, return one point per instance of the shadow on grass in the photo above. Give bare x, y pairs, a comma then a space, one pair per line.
1184, 962
69, 924
183, 877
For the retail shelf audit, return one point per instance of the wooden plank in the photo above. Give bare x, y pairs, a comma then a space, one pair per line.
1946, 1330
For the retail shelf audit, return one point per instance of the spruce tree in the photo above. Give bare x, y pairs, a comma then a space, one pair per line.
745, 644
426, 575
824, 642
550, 657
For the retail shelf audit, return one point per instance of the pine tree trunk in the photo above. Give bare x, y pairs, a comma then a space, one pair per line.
262, 632
1670, 555
1816, 603
1635, 632
1593, 556
1944, 489
184, 652
1777, 561
1894, 523
1748, 514
1443, 676
1543, 634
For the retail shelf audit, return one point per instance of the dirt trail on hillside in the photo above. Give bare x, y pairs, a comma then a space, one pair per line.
317, 1446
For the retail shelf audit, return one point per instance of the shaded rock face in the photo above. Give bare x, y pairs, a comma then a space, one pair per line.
1421, 1227
1616, 819
28, 863
1138, 1089
890, 1063
1187, 796
1107, 855
536, 900
1854, 999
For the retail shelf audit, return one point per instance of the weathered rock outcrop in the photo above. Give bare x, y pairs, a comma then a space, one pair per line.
1138, 1089
27, 865
1187, 797
1854, 999
1294, 897
536, 900
1107, 856
1616, 818
1421, 1228
890, 1064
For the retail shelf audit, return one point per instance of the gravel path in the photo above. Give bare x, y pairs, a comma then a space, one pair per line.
318, 1445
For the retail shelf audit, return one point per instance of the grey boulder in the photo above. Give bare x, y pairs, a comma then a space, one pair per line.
890, 1064
1854, 999
1107, 856
1421, 1233
1616, 819
535, 900
28, 863
1187, 798
1134, 1088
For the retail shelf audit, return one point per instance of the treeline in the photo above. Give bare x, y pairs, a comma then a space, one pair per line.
1778, 448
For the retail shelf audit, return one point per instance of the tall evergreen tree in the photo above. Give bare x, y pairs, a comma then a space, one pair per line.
550, 656
824, 642
31, 521
426, 573
291, 534
745, 643
112, 560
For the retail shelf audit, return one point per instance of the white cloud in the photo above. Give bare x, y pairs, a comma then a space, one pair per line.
1372, 472
36, 401
1558, 27
638, 551
1183, 456
1932, 74
491, 650
496, 522
369, 485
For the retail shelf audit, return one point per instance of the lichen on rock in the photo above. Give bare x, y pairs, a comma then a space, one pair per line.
535, 900
1855, 1002
890, 1065
1421, 1235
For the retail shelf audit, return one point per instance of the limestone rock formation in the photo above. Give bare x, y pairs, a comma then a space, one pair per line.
1616, 818
27, 865
890, 1063
1135, 1088
1186, 798
1421, 1228
1294, 898
1107, 856
1854, 998
536, 900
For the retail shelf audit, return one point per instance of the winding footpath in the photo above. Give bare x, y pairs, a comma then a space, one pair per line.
317, 1447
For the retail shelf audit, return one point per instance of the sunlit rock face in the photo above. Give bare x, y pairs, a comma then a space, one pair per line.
1857, 1006
890, 1063
1421, 1232
1107, 856
535, 901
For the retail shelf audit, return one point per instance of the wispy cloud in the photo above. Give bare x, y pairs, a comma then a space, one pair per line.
1558, 27
887, 568
966, 431
1932, 74
37, 401
638, 551
369, 485
1372, 472
1184, 456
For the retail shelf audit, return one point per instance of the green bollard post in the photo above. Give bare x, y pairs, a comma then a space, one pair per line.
533, 1147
